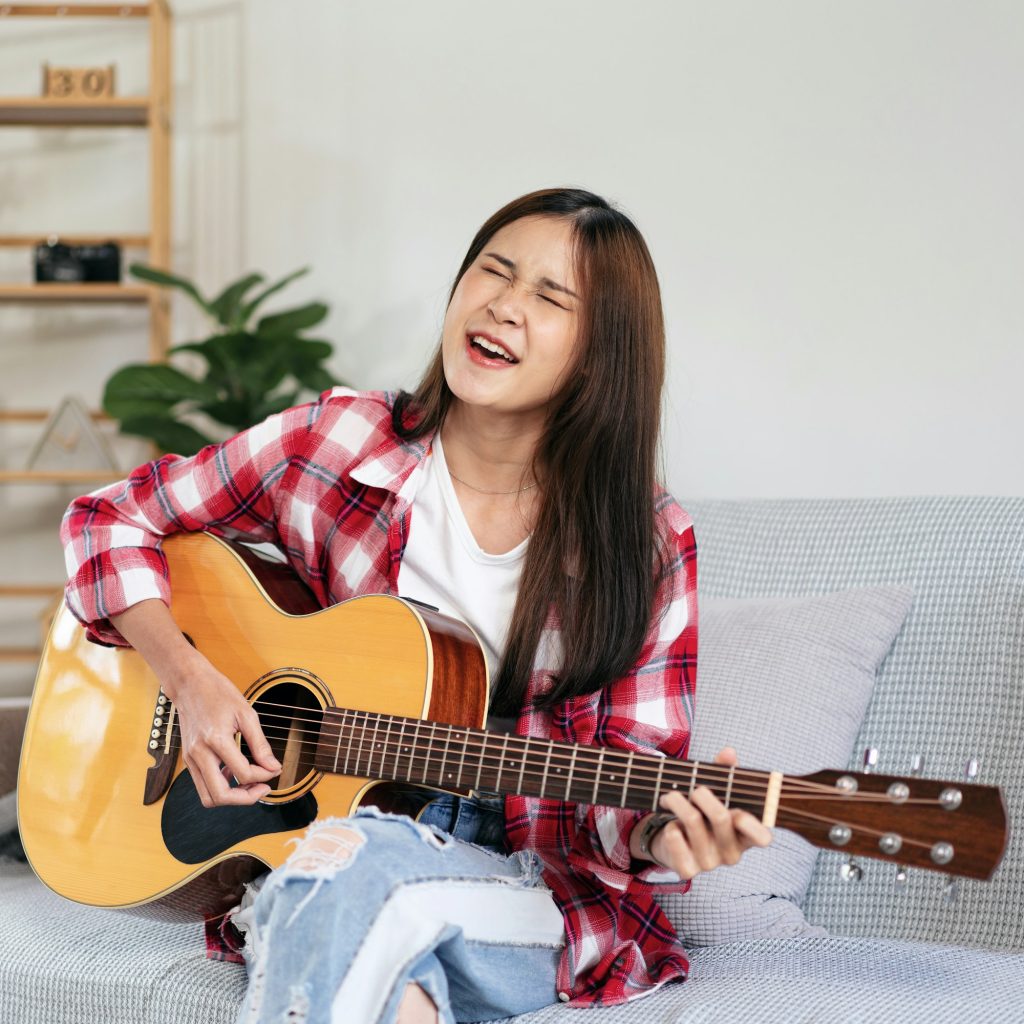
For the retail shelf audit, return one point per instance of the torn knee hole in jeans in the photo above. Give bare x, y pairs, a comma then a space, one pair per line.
328, 849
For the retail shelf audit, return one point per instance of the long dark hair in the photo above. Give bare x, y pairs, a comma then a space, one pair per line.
594, 551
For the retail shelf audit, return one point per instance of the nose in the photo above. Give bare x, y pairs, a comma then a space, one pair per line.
507, 307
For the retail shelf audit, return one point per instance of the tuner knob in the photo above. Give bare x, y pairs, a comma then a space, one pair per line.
971, 769
900, 885
952, 892
870, 759
851, 871
917, 765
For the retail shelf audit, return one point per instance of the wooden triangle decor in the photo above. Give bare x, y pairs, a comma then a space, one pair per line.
71, 441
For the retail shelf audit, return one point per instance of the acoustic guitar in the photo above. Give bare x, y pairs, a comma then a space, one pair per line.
364, 702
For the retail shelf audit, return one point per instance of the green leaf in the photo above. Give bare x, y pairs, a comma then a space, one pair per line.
232, 412
155, 385
148, 273
302, 351
316, 378
248, 310
292, 320
170, 435
284, 400
225, 306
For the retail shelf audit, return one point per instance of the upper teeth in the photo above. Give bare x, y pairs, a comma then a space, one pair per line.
491, 347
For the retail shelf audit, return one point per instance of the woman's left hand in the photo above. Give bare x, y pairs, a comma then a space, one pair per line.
688, 846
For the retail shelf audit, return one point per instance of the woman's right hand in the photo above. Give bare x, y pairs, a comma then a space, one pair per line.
210, 713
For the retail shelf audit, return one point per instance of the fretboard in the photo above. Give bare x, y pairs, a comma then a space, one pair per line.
381, 746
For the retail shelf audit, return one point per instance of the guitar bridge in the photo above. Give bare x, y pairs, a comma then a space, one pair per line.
160, 774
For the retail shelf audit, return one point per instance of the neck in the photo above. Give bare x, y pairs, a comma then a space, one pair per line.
493, 450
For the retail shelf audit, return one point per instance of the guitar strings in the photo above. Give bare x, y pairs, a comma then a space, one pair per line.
737, 790
707, 768
478, 738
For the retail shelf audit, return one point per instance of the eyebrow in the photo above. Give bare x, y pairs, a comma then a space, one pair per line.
545, 281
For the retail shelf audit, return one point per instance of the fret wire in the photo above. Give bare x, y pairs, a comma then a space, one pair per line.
426, 760
657, 785
572, 766
398, 755
597, 774
337, 750
693, 777
625, 783
480, 763
462, 759
547, 766
444, 756
387, 736
522, 763
728, 789
501, 762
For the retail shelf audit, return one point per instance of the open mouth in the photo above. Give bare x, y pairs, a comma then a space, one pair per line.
488, 351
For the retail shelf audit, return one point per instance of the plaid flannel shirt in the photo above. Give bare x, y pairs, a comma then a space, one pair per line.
331, 485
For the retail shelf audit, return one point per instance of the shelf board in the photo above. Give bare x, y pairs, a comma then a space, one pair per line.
74, 10
86, 292
27, 241
46, 112
20, 654
42, 415
30, 590
69, 476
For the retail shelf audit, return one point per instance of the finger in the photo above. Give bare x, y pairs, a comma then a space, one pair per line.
727, 755
259, 747
235, 760
674, 852
725, 838
753, 830
697, 836
220, 791
197, 781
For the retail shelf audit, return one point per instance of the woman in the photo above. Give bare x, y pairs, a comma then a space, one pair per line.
515, 488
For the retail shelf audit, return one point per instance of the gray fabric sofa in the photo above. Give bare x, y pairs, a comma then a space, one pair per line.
952, 688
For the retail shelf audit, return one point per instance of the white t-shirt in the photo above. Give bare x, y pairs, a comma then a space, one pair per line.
444, 566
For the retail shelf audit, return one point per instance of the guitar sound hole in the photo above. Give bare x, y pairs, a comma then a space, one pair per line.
291, 717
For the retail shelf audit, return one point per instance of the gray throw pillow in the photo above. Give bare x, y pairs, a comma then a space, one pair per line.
786, 681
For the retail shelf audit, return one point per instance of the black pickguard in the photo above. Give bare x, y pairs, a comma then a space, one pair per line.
193, 833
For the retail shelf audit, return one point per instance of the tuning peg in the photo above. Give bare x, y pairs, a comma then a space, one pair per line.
851, 871
870, 759
900, 885
952, 890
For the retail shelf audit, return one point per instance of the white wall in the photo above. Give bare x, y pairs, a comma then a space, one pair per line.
829, 190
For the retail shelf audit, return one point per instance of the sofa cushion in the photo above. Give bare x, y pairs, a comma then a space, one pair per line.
786, 681
61, 963
950, 690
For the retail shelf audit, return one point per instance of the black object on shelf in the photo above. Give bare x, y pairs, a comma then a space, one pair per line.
56, 261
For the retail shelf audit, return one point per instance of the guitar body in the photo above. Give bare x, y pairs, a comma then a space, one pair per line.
107, 809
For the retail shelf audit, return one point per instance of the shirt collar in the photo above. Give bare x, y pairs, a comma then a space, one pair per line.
394, 466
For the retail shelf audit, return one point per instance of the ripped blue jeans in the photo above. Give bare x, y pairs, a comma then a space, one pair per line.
368, 903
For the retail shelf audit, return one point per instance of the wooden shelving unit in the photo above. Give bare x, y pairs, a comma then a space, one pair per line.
152, 113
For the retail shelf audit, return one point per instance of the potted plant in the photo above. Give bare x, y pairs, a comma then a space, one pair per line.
251, 371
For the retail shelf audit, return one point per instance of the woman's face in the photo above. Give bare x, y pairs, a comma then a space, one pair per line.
520, 298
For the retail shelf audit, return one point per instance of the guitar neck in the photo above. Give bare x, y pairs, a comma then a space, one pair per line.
392, 747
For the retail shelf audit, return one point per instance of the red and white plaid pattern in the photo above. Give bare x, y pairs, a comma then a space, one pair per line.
331, 484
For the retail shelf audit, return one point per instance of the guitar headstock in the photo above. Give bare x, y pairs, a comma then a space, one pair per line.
955, 827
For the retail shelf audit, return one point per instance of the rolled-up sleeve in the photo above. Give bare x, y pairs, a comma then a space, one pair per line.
649, 711
111, 537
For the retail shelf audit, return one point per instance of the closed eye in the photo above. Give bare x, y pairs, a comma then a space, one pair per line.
489, 270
